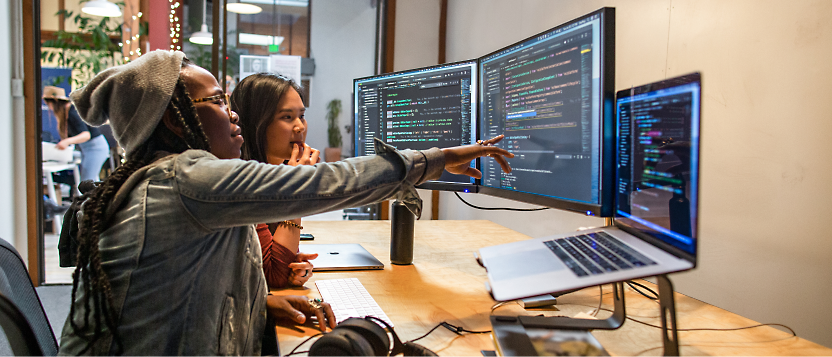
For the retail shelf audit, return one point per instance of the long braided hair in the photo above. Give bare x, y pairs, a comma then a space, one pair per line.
97, 295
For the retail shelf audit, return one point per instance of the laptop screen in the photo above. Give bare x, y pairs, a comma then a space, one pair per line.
657, 175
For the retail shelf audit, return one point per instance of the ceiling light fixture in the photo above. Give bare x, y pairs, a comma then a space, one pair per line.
241, 8
101, 8
203, 37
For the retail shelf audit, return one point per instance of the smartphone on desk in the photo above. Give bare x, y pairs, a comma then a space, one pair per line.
306, 236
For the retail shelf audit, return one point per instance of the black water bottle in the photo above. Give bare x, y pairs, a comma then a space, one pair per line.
401, 237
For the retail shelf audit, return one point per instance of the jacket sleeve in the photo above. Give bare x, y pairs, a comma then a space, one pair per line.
222, 194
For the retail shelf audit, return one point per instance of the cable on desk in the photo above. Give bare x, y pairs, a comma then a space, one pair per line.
500, 208
501, 303
600, 299
301, 344
455, 329
655, 296
459, 329
428, 333
794, 334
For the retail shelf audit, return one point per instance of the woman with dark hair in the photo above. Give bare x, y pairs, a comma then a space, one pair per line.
94, 148
271, 111
168, 259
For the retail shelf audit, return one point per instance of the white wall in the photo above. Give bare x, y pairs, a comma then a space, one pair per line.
766, 69
343, 45
417, 34
12, 153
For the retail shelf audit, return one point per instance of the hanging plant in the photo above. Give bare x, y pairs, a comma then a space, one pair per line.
88, 51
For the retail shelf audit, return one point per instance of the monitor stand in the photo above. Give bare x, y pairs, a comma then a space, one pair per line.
510, 335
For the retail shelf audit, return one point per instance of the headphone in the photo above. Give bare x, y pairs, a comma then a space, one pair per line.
364, 337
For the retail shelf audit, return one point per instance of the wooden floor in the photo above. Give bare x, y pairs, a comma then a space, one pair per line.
54, 273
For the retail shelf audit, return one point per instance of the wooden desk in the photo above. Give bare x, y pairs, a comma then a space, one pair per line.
446, 284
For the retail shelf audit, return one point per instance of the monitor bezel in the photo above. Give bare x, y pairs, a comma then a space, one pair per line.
466, 187
641, 231
605, 207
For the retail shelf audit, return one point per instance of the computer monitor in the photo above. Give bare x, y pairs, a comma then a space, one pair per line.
657, 167
551, 96
419, 109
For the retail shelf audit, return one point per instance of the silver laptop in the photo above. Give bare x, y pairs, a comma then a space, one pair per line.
656, 214
347, 256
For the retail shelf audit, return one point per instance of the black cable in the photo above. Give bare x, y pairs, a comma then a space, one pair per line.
794, 334
301, 344
429, 332
500, 208
459, 329
455, 329
655, 296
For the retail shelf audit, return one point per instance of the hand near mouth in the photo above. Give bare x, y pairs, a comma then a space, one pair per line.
304, 155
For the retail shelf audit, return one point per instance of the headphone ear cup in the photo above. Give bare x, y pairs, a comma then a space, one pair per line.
414, 349
374, 334
341, 342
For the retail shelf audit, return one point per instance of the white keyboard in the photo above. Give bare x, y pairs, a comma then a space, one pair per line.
348, 298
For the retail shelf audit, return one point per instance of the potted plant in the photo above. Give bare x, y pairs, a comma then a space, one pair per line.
333, 152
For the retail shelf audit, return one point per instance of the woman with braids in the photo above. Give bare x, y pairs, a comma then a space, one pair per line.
275, 133
168, 259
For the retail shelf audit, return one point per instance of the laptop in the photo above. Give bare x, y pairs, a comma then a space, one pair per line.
347, 256
655, 218
50, 152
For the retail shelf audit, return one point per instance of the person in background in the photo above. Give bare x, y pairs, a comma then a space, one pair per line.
272, 120
169, 261
94, 148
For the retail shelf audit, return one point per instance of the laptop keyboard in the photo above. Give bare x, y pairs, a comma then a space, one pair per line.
348, 298
596, 253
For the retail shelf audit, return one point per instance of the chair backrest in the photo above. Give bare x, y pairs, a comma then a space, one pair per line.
19, 340
17, 288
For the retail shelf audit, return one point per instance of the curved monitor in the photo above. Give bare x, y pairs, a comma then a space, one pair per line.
551, 96
419, 109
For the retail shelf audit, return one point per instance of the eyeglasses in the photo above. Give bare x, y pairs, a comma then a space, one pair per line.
223, 97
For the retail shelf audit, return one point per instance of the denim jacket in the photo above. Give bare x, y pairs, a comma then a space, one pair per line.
182, 255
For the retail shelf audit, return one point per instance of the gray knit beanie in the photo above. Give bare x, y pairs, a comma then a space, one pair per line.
133, 96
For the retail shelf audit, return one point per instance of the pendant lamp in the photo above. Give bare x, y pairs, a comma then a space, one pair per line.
203, 37
102, 8
241, 8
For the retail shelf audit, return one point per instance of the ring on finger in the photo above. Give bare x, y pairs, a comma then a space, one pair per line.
315, 303
305, 273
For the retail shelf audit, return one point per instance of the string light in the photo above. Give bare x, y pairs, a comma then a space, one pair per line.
131, 33
175, 29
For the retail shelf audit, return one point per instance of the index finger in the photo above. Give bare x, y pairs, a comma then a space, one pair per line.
491, 141
295, 154
300, 266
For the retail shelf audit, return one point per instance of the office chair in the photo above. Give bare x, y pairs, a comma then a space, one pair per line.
22, 316
20, 338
